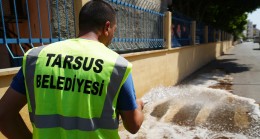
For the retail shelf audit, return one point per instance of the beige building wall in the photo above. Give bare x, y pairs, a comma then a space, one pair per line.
170, 66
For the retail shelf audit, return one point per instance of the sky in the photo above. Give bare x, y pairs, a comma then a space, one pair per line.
255, 17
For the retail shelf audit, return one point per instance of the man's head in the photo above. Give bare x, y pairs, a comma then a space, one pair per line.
98, 17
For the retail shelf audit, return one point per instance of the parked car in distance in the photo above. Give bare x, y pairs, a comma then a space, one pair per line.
256, 39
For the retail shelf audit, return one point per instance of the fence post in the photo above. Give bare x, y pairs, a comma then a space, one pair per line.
219, 35
167, 29
214, 35
224, 36
206, 34
193, 32
77, 6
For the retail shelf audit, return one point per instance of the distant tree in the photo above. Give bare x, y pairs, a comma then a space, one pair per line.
227, 15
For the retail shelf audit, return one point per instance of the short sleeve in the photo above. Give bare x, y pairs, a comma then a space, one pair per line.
18, 82
127, 98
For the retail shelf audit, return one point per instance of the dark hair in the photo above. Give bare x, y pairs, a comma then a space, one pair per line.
94, 14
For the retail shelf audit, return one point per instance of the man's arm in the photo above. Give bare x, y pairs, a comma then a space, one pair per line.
129, 108
11, 122
133, 119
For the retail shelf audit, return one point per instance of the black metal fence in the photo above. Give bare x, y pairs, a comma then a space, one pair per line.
26, 24
140, 25
182, 35
181, 30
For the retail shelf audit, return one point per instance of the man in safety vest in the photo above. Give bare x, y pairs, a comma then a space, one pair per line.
74, 88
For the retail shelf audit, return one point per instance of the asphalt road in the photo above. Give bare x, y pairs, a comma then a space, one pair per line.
247, 72
242, 62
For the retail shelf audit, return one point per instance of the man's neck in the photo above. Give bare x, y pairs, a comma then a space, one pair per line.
90, 36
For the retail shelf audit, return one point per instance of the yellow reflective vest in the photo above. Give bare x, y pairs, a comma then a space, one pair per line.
72, 88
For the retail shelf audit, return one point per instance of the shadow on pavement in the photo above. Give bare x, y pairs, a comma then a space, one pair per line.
227, 54
256, 49
229, 66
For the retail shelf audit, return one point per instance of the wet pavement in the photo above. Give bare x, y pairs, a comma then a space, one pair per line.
242, 63
213, 103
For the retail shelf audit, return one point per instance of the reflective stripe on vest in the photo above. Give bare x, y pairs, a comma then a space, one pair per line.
70, 123
31, 62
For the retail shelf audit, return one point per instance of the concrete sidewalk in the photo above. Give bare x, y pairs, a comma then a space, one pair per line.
242, 62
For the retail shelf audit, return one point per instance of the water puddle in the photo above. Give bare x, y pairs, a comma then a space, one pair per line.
203, 108
197, 112
224, 82
212, 78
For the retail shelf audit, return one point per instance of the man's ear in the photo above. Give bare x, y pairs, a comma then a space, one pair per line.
106, 28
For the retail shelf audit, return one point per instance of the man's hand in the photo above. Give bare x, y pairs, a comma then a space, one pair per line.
140, 104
